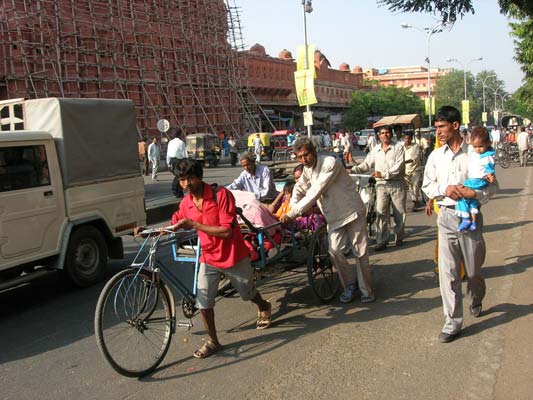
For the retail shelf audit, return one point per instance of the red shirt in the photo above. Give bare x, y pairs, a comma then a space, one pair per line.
218, 252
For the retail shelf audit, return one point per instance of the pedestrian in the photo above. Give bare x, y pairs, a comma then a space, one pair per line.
143, 155
347, 148
255, 178
495, 136
387, 161
413, 169
176, 150
325, 182
371, 142
154, 155
446, 168
523, 147
233, 150
213, 215
258, 147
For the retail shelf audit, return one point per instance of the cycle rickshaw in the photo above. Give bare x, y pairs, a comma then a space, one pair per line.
136, 312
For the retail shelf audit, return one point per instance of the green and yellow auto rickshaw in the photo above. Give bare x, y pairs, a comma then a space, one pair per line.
204, 147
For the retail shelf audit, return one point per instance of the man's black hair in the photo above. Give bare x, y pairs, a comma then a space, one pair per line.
387, 128
448, 114
187, 167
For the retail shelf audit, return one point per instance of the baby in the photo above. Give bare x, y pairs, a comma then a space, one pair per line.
480, 174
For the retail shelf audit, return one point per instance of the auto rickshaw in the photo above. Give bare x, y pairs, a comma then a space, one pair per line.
265, 141
204, 147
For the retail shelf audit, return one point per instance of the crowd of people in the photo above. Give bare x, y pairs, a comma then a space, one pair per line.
458, 178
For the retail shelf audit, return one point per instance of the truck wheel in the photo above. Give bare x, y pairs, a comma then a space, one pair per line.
86, 258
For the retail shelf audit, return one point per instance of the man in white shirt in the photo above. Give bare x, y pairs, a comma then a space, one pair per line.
325, 182
387, 161
495, 136
445, 171
523, 146
257, 179
176, 150
154, 155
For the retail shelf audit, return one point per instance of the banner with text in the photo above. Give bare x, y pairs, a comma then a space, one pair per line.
305, 87
427, 107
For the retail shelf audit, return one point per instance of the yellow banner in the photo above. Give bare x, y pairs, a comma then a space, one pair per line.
305, 87
300, 58
427, 107
466, 112
495, 113
484, 117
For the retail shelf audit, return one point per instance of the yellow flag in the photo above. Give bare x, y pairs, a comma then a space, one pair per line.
305, 87
466, 112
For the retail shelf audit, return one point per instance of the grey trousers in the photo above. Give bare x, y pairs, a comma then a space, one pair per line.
355, 233
392, 192
412, 182
522, 154
454, 246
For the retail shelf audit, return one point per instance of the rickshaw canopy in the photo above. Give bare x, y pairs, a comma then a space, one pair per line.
392, 120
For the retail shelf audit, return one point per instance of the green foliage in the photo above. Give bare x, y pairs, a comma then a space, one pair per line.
449, 10
389, 100
449, 90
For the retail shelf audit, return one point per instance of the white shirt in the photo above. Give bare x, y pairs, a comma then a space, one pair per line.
523, 140
154, 153
176, 149
412, 153
495, 136
389, 162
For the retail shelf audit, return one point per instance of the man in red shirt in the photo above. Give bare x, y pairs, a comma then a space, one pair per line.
222, 245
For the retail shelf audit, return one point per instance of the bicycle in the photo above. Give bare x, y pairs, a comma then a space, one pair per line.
135, 314
366, 186
502, 155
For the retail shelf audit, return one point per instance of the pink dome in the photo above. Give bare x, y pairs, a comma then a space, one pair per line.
285, 55
357, 69
258, 49
344, 67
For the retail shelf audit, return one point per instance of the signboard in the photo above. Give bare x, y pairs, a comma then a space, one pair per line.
427, 107
484, 116
305, 87
308, 118
163, 125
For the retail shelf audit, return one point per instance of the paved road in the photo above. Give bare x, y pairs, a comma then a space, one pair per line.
384, 350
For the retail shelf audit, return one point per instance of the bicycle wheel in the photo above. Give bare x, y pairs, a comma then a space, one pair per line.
133, 323
504, 158
321, 274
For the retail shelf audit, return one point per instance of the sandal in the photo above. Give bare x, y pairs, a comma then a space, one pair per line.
264, 318
208, 349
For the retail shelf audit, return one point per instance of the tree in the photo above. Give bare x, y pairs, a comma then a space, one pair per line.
389, 100
449, 90
449, 10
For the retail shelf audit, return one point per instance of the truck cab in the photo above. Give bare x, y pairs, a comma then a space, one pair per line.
70, 188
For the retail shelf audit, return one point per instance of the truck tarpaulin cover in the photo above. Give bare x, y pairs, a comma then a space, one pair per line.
96, 139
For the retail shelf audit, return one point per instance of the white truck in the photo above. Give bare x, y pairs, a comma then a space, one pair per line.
70, 187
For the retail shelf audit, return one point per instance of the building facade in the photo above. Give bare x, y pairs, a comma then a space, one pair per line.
174, 60
271, 81
414, 78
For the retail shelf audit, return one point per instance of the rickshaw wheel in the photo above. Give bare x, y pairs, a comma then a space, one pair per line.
323, 278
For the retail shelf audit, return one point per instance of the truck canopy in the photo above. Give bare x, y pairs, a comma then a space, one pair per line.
96, 139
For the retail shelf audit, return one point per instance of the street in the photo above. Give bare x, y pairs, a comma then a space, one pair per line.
383, 350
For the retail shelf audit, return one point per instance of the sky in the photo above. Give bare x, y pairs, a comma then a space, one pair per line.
359, 32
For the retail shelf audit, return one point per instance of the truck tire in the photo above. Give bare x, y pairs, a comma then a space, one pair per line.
86, 258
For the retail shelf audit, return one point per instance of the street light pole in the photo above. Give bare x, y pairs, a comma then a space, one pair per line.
465, 67
428, 31
307, 8
483, 82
